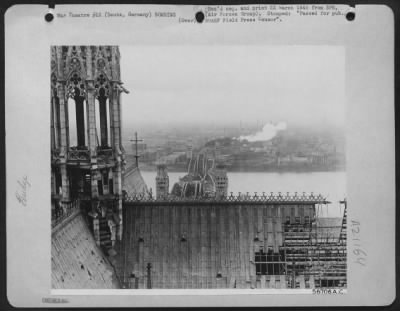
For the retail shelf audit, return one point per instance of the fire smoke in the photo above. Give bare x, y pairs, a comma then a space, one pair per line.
268, 132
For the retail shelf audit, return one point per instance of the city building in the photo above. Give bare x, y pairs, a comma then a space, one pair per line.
162, 182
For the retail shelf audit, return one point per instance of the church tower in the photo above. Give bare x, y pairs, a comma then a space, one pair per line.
162, 182
221, 180
86, 152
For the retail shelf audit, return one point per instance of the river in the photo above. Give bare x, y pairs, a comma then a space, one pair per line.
332, 185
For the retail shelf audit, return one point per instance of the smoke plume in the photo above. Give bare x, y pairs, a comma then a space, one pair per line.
268, 132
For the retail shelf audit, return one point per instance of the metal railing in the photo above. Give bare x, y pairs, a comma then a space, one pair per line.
270, 198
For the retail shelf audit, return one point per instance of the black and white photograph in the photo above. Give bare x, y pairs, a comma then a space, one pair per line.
227, 173
200, 155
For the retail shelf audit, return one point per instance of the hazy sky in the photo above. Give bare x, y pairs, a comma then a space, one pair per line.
229, 84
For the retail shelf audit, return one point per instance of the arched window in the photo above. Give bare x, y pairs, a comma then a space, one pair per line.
102, 111
77, 111
73, 140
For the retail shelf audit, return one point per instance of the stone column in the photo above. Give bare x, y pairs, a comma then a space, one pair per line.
120, 123
88, 142
92, 136
117, 141
117, 179
95, 190
117, 171
52, 125
113, 227
64, 143
53, 182
117, 189
91, 121
119, 224
116, 118
96, 230
57, 122
89, 77
65, 183
111, 115
67, 123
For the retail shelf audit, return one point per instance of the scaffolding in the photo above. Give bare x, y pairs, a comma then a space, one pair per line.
315, 261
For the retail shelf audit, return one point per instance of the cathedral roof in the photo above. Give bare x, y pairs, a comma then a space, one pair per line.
77, 262
193, 245
133, 182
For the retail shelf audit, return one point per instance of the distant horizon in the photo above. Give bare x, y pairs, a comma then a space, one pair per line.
255, 124
228, 85
146, 128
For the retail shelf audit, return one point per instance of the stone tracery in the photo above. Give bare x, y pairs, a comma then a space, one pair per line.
86, 77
